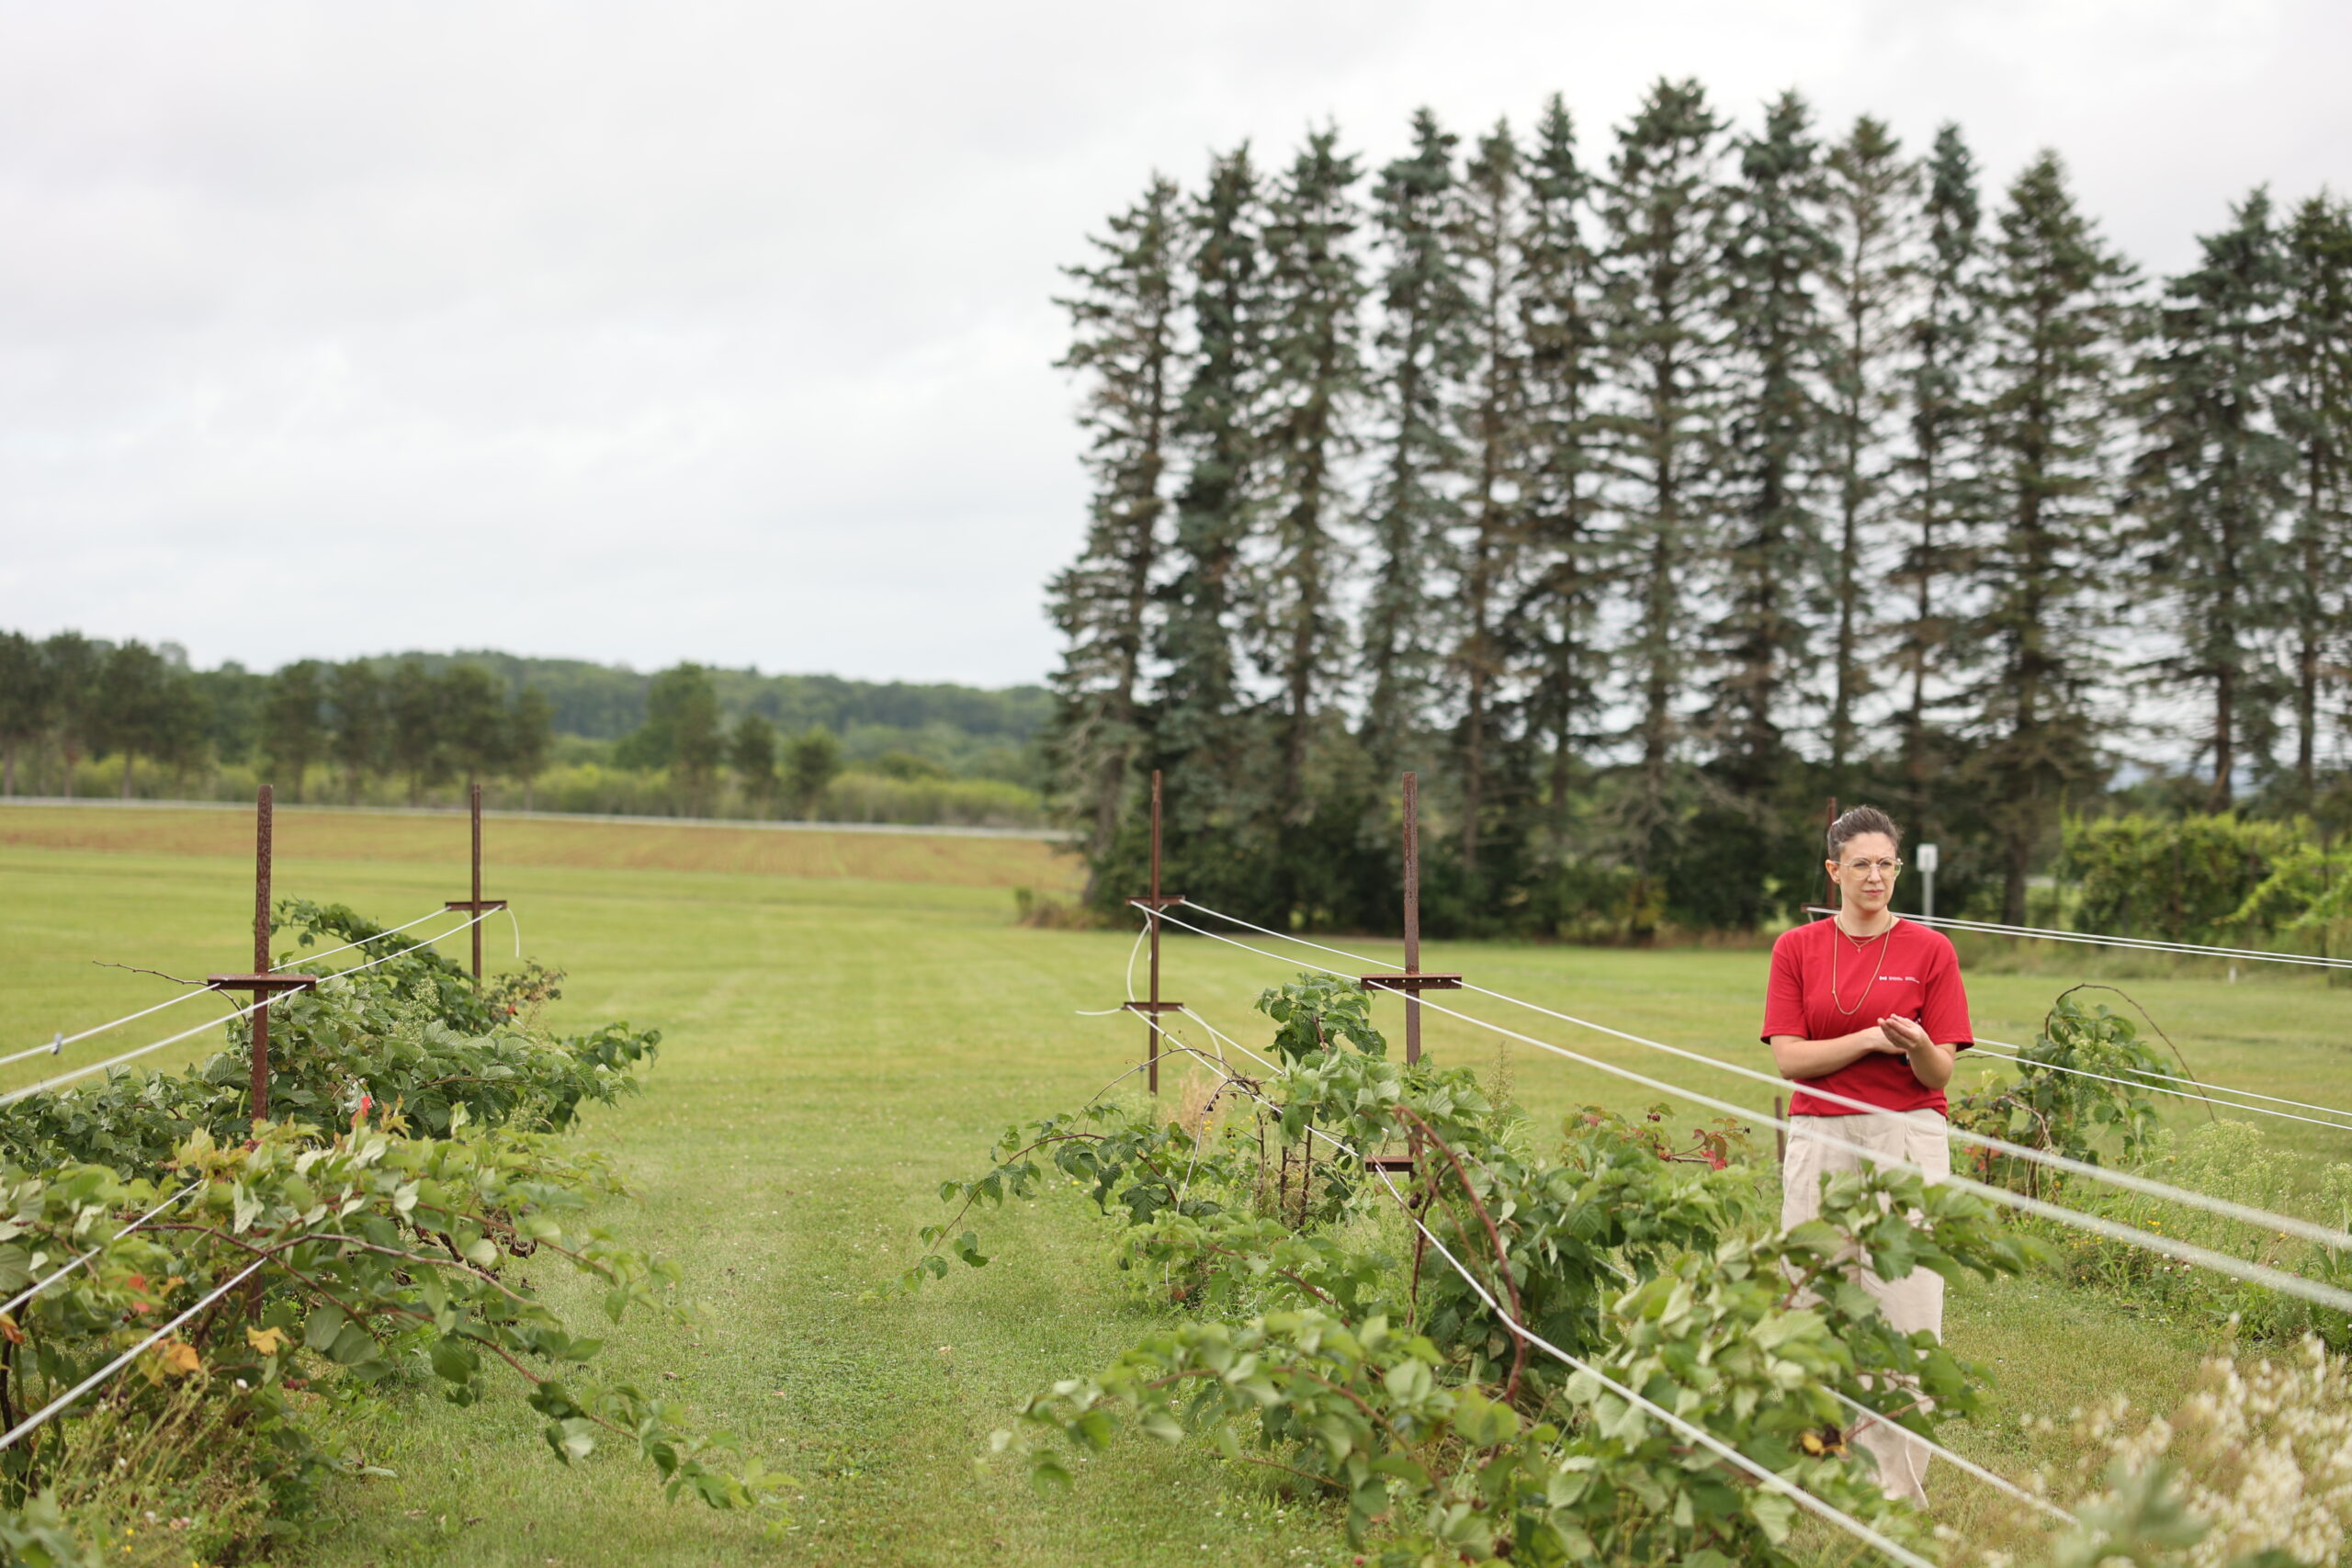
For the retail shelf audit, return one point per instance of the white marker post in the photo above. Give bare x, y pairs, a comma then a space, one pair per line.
1924, 857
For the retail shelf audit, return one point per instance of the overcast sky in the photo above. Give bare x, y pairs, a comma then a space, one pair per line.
675, 330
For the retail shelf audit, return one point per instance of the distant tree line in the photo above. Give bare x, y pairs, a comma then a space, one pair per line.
81, 698
684, 732
420, 722
1642, 501
96, 700
601, 702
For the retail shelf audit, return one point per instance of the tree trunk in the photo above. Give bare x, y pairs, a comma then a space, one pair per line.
1559, 802
2224, 749
1143, 548
1914, 722
1308, 572
1385, 724
126, 775
1657, 697
2018, 860
2307, 649
1474, 733
1841, 717
1302, 695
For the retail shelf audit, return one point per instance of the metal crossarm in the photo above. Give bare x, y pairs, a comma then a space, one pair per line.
1413, 980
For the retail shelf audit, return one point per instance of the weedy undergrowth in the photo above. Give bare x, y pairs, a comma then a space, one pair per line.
415, 1154
1317, 1326
2117, 1123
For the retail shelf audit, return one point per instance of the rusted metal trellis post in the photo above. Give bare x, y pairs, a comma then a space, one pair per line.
1152, 904
476, 904
1412, 982
261, 982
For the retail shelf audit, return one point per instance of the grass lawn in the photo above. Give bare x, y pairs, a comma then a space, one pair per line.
651, 844
836, 1045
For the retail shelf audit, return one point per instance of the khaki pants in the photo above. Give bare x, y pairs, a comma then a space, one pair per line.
1821, 1146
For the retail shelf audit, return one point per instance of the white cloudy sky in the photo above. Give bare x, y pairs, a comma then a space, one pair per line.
652, 332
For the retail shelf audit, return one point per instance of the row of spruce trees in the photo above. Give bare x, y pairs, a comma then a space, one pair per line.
1642, 502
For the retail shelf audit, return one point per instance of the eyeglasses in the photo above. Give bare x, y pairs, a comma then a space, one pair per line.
1864, 867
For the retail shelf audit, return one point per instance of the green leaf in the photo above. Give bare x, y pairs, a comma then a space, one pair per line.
1091, 1430
1774, 1513
574, 1439
1160, 1423
454, 1360
1046, 1473
352, 1346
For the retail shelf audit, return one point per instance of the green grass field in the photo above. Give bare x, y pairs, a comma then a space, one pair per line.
836, 1045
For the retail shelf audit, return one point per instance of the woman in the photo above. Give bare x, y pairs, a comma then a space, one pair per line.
1870, 1007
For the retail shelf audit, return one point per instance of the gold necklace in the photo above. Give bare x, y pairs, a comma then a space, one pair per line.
1875, 969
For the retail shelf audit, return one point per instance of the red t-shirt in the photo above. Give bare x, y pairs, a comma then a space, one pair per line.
1916, 977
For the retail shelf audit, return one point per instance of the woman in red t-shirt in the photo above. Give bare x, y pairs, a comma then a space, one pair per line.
1868, 1007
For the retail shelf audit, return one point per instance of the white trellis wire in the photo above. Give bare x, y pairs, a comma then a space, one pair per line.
1697, 1434
15, 1095
2181, 1251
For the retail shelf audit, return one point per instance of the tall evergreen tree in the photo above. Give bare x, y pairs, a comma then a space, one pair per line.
750, 751
530, 737
1424, 349
294, 728
2315, 414
143, 704
1871, 192
1199, 728
2217, 475
1124, 317
1942, 497
413, 727
73, 662
473, 720
357, 723
812, 760
1662, 212
1315, 382
2055, 317
1774, 430
682, 732
25, 700
1555, 622
1492, 414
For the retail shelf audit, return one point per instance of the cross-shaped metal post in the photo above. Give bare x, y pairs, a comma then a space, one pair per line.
1152, 904
476, 904
261, 982
1412, 982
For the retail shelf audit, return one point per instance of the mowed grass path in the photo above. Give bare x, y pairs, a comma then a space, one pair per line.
836, 1048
